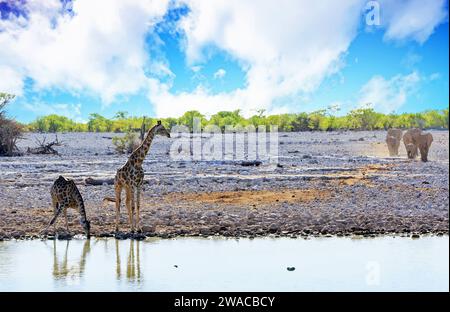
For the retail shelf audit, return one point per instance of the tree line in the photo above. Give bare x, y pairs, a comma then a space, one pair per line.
10, 130
323, 120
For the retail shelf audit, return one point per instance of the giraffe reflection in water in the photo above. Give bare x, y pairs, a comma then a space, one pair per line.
133, 265
64, 270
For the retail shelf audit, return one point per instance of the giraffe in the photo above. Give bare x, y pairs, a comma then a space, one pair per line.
65, 194
131, 178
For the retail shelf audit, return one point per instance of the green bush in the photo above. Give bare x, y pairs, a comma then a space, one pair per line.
358, 119
127, 143
10, 130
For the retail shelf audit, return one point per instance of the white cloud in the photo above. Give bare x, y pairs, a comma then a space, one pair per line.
285, 48
11, 81
220, 73
72, 111
388, 95
196, 68
434, 76
411, 59
99, 50
412, 19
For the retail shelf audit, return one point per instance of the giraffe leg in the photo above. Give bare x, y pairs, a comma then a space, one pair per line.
55, 206
128, 204
118, 191
55, 209
61, 208
67, 221
138, 208
133, 207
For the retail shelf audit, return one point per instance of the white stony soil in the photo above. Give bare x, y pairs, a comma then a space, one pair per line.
336, 183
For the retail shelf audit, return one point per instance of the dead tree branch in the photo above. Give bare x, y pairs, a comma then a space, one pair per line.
45, 148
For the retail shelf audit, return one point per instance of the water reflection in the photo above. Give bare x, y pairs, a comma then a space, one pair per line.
133, 265
62, 268
191, 264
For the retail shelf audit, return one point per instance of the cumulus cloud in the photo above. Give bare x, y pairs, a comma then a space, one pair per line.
388, 95
412, 19
220, 73
72, 111
285, 48
11, 81
98, 49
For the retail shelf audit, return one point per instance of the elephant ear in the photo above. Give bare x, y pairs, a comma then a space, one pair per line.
429, 139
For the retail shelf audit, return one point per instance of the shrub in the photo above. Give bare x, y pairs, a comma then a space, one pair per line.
10, 130
127, 143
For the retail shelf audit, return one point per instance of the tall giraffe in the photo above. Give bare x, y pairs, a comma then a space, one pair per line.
131, 178
65, 194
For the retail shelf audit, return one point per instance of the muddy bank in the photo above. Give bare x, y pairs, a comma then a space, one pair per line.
325, 184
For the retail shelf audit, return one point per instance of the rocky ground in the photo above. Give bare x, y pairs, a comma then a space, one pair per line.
338, 183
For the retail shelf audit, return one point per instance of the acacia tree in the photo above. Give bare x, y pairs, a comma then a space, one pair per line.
10, 130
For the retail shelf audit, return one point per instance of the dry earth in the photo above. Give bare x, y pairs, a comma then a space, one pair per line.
339, 183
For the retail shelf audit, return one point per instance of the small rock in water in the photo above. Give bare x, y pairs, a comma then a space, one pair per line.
120, 235
175, 266
63, 236
290, 269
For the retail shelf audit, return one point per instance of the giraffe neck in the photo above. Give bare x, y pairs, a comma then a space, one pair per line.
81, 209
139, 154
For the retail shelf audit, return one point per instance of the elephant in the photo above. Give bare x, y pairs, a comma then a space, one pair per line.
409, 139
393, 138
424, 142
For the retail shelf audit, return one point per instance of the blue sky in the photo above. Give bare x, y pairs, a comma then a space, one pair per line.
161, 58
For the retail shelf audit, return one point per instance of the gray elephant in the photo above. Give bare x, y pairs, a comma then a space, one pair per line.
409, 139
423, 142
393, 139
415, 140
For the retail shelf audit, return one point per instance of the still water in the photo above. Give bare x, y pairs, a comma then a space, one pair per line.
190, 264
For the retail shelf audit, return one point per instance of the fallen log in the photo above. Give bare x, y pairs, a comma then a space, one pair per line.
91, 181
251, 163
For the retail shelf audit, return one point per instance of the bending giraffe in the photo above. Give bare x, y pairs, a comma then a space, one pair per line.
65, 194
131, 178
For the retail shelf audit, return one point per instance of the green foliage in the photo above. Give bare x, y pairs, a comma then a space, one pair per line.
188, 119
127, 143
10, 130
5, 98
54, 123
321, 120
224, 118
98, 123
